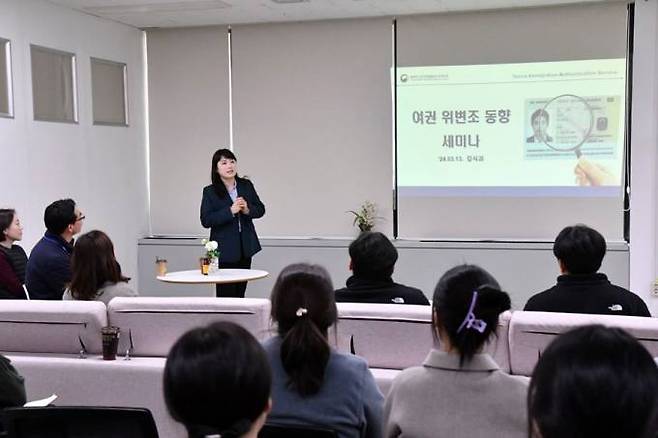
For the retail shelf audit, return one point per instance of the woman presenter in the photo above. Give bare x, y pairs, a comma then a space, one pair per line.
228, 208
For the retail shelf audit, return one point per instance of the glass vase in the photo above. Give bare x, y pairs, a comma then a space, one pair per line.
214, 265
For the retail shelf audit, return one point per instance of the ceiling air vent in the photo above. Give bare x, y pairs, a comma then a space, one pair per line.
154, 8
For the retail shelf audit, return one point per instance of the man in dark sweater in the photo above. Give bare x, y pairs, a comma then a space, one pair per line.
372, 260
580, 289
49, 266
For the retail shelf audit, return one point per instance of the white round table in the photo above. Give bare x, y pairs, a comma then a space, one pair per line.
222, 276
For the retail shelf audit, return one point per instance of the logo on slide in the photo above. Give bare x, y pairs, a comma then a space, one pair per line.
404, 78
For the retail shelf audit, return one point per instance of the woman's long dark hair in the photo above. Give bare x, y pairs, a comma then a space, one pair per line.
304, 307
594, 381
6, 218
217, 183
458, 289
93, 264
217, 380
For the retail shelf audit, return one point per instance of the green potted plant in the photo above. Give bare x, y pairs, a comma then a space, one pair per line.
366, 216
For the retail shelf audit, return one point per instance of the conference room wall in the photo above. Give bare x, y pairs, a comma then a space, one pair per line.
102, 167
278, 171
188, 120
522, 269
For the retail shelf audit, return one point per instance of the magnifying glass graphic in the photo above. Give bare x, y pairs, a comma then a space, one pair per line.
571, 123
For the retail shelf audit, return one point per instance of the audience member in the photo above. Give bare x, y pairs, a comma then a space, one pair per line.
313, 384
372, 260
96, 274
217, 382
459, 391
12, 257
12, 385
49, 266
579, 251
594, 382
12, 388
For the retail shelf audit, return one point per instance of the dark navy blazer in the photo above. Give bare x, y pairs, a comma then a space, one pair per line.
216, 215
49, 268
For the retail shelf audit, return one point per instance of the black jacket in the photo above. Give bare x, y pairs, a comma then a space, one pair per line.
587, 293
12, 387
13, 262
361, 290
224, 229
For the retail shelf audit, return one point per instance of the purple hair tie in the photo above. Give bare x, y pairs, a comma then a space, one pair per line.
470, 322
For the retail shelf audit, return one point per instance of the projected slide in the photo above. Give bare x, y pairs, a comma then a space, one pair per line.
531, 129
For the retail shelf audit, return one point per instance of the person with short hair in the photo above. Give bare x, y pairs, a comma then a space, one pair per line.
95, 272
372, 261
594, 382
49, 266
539, 121
459, 391
13, 259
580, 288
217, 382
313, 384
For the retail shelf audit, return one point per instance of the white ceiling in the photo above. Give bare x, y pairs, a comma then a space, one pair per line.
180, 13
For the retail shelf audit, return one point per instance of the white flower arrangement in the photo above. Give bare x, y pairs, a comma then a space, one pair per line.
211, 247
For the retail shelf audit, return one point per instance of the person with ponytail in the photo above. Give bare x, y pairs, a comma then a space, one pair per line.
217, 382
313, 384
459, 391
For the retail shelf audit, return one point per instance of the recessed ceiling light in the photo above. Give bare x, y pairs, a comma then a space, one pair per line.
288, 2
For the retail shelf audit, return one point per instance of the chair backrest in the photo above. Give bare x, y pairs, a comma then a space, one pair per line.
38, 326
498, 345
398, 336
156, 323
79, 422
280, 431
531, 332
393, 336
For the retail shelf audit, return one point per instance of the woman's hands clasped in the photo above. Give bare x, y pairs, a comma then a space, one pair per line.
240, 206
